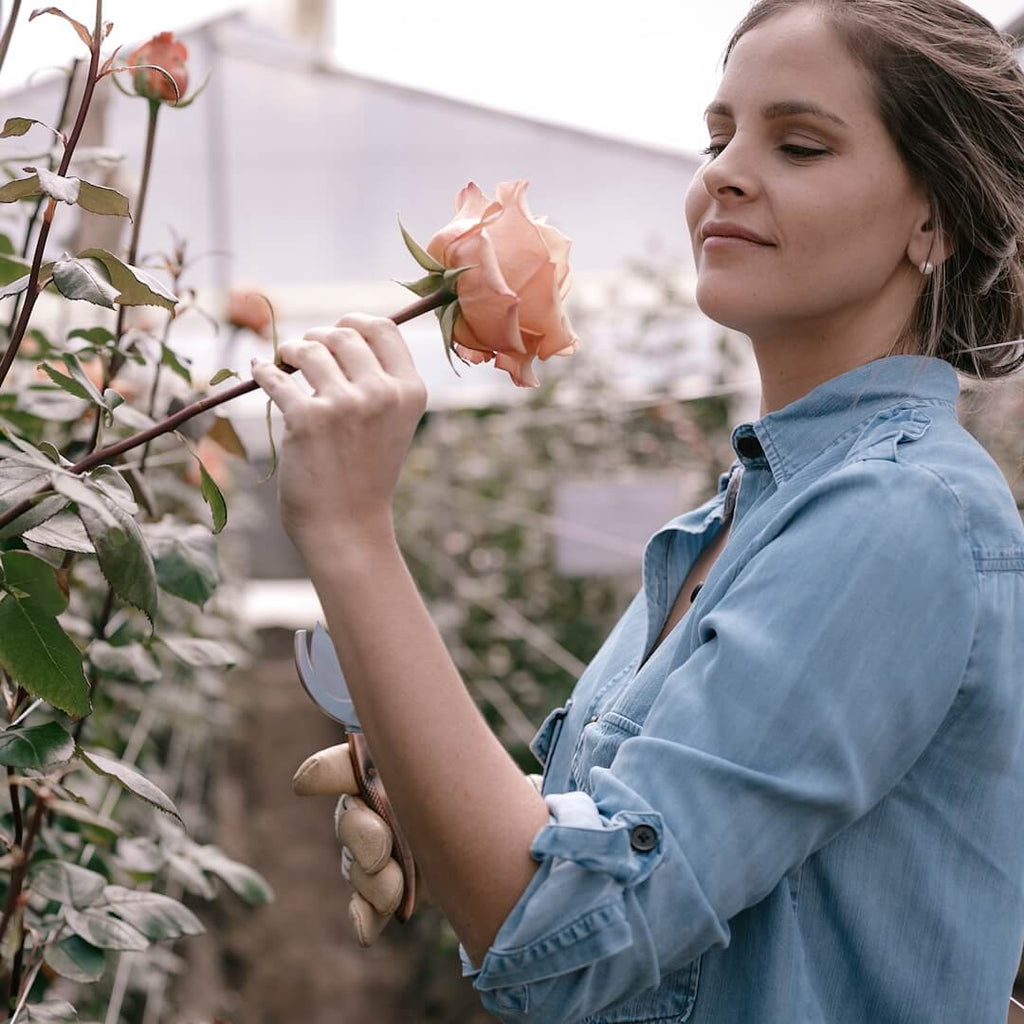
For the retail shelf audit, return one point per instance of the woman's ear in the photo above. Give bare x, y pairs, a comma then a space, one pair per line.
928, 242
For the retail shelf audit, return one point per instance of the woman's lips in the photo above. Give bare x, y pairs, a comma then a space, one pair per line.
726, 242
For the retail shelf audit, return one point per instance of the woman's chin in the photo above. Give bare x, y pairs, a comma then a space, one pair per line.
728, 307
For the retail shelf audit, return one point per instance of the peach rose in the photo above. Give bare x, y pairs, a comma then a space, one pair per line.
510, 304
163, 51
248, 309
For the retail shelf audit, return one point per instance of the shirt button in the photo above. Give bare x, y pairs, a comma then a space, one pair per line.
643, 838
594, 719
749, 447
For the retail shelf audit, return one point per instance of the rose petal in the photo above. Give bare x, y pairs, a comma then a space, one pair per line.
490, 307
517, 240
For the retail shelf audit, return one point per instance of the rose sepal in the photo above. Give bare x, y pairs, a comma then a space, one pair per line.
419, 254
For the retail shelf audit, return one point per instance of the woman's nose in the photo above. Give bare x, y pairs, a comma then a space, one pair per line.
729, 172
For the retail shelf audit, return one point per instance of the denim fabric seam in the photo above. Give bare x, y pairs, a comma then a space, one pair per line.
532, 950
846, 434
996, 563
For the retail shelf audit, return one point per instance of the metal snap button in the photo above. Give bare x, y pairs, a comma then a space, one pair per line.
643, 838
594, 719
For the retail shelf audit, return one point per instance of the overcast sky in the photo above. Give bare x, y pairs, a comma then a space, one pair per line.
645, 76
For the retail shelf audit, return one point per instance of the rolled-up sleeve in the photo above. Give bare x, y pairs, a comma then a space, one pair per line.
819, 677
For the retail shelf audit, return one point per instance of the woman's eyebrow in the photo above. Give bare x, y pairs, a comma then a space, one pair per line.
783, 108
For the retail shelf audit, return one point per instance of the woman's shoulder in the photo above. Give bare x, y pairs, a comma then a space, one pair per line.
935, 468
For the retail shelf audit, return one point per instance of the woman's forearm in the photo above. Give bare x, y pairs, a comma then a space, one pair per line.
463, 803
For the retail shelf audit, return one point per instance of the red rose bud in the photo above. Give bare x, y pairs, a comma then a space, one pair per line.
163, 51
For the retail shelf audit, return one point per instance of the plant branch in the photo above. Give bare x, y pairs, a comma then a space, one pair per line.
5, 40
32, 291
21, 862
438, 298
117, 360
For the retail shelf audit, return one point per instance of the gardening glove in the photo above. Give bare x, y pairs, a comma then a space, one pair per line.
365, 838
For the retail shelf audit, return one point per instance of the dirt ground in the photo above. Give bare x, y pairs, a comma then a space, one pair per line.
295, 960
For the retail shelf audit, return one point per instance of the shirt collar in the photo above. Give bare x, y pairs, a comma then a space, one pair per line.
789, 438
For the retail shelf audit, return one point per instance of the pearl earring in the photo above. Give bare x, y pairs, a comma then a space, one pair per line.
927, 268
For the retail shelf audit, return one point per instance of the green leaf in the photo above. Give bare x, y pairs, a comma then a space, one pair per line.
66, 383
6, 245
17, 126
86, 494
223, 375
242, 880
83, 33
135, 286
37, 747
40, 656
77, 960
139, 855
19, 479
223, 433
16, 287
191, 876
214, 498
420, 255
103, 828
186, 563
175, 363
98, 337
131, 661
62, 531
67, 883
84, 279
122, 555
115, 487
13, 269
33, 576
272, 458
131, 780
20, 188
107, 202
157, 917
100, 928
200, 652
447, 315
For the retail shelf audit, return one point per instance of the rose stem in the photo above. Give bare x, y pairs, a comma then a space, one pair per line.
27, 243
438, 298
5, 40
32, 291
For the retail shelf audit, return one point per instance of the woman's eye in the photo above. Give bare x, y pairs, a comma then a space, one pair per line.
799, 151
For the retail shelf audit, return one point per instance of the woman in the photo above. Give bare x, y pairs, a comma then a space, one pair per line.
797, 794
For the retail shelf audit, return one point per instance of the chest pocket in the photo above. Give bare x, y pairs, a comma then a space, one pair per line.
671, 1002
598, 743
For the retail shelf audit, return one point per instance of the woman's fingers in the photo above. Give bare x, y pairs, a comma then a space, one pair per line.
286, 394
328, 772
349, 350
365, 833
385, 339
317, 364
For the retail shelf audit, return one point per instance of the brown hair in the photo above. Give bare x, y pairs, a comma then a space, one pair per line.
950, 92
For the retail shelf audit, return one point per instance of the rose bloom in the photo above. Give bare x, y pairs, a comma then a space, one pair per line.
165, 52
511, 303
249, 310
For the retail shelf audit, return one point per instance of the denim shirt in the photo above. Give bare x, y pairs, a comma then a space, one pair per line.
807, 806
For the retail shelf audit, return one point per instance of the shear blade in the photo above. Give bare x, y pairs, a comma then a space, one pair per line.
322, 678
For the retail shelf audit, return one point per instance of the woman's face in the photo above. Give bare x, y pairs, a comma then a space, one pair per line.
834, 199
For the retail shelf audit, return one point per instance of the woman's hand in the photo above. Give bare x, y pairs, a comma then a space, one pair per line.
345, 444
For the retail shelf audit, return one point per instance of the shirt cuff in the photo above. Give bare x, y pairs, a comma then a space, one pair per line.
573, 911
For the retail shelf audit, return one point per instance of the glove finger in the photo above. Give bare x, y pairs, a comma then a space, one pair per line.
365, 833
382, 888
328, 771
366, 922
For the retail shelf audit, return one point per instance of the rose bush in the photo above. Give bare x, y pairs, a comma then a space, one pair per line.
163, 51
511, 302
